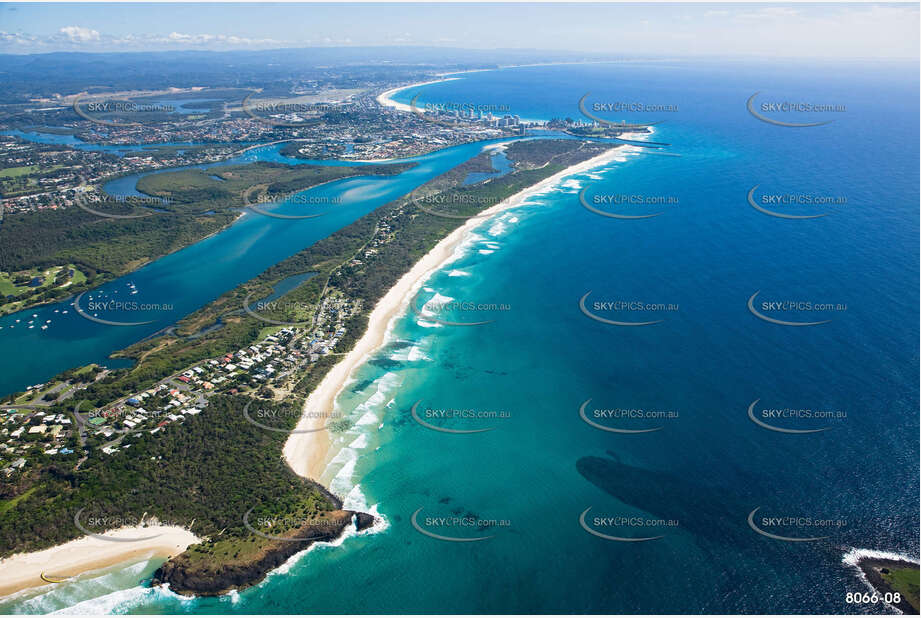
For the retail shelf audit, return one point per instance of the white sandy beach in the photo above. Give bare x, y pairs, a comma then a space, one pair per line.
308, 453
385, 100
88, 553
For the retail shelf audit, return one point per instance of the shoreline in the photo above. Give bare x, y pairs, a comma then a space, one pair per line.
385, 99
69, 560
308, 453
867, 563
243, 212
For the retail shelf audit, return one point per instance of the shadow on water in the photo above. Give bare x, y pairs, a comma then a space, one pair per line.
709, 513
717, 515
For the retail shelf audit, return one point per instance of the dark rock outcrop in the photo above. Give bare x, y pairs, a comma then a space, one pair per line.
212, 579
873, 568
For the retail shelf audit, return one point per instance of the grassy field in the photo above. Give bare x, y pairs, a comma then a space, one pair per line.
268, 330
24, 170
84, 370
23, 180
79, 276
904, 581
6, 505
8, 287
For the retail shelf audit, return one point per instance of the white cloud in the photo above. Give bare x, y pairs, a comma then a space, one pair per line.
78, 37
771, 12
209, 39
799, 30
16, 38
78, 34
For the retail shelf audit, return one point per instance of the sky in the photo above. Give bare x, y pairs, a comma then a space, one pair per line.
787, 30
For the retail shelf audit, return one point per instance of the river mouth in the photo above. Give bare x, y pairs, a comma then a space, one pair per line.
694, 480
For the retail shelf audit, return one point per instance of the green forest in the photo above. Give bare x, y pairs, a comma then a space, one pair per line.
208, 471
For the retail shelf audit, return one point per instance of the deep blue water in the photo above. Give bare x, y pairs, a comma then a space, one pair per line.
540, 358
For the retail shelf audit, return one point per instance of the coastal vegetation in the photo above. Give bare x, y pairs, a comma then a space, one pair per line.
204, 475
32, 286
892, 577
24, 179
193, 204
209, 472
905, 581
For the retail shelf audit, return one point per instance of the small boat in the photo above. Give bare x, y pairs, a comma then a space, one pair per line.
33, 326
44, 327
54, 579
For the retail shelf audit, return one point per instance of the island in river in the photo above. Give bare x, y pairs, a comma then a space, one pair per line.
109, 236
252, 517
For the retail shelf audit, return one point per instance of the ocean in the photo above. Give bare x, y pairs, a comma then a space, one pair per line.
558, 502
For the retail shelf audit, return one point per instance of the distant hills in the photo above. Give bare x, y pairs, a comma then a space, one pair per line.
42, 75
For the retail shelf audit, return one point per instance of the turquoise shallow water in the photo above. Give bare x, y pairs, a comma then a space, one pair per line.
540, 358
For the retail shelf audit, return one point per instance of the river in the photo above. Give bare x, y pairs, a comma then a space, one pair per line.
180, 283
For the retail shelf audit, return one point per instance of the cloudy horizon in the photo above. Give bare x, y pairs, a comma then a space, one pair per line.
777, 30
